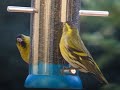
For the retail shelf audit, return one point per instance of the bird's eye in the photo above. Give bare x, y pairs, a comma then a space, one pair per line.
19, 40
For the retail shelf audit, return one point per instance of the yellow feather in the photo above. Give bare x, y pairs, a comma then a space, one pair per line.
76, 54
23, 45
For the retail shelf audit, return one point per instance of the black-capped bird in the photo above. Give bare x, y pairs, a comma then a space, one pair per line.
75, 53
23, 45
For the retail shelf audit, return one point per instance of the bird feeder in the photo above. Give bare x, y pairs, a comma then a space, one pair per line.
47, 68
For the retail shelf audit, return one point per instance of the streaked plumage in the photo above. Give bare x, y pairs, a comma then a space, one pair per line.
75, 53
23, 45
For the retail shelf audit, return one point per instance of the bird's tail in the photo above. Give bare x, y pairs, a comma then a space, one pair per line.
101, 79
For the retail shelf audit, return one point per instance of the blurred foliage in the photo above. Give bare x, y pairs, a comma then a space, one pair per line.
111, 87
102, 38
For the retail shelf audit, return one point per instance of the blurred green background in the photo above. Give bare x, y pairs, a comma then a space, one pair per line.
101, 36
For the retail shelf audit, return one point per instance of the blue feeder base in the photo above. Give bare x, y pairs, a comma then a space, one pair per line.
53, 81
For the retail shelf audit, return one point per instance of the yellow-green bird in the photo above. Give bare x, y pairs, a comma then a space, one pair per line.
23, 45
75, 53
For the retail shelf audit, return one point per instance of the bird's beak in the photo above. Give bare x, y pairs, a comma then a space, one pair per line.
68, 28
19, 38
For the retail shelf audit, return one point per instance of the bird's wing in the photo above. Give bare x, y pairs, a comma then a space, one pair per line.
85, 62
83, 56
